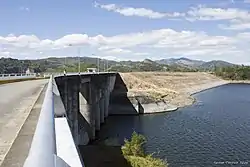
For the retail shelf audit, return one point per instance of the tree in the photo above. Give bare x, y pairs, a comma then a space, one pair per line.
134, 153
234, 73
134, 146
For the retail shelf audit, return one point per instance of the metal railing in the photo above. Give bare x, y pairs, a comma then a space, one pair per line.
43, 148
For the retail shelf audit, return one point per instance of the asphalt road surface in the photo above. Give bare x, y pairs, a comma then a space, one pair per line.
16, 102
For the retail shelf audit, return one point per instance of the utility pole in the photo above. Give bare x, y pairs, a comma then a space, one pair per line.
21, 67
97, 59
79, 61
69, 45
64, 72
104, 65
65, 61
98, 64
107, 65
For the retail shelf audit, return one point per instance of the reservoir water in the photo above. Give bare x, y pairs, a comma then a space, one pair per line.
215, 131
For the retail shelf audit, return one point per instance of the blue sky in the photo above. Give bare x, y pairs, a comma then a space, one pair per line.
126, 29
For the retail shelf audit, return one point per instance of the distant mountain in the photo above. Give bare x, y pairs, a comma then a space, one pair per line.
75, 60
54, 64
185, 62
148, 61
211, 65
195, 64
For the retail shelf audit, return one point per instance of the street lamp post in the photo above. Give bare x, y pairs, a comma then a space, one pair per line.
104, 65
107, 65
79, 61
97, 62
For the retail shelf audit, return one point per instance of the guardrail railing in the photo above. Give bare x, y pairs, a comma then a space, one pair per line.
43, 151
16, 76
43, 148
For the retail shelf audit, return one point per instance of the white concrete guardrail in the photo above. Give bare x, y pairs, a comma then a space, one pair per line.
43, 151
16, 76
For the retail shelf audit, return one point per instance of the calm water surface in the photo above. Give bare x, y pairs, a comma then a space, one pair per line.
213, 131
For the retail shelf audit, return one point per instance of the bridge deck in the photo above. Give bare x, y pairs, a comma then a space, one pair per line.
16, 102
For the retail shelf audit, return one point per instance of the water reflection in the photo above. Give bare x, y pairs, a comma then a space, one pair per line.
198, 135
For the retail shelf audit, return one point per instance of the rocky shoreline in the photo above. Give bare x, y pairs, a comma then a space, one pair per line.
154, 92
150, 107
240, 82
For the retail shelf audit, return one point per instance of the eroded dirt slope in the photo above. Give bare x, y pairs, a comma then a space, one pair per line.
174, 88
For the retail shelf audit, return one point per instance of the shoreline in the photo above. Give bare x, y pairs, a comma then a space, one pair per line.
239, 82
162, 107
207, 86
153, 108
158, 92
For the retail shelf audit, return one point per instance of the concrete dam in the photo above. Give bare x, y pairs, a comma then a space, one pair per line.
88, 100
74, 108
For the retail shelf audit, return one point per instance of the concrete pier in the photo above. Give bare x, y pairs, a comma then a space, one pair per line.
102, 107
106, 102
86, 114
80, 104
86, 100
95, 106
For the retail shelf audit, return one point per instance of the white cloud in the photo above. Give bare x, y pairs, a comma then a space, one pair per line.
134, 46
22, 8
200, 12
73, 39
246, 1
188, 40
239, 19
110, 58
5, 54
204, 13
244, 35
239, 26
141, 12
141, 54
104, 48
118, 51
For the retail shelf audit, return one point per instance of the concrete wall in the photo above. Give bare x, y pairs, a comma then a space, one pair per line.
16, 76
86, 99
120, 104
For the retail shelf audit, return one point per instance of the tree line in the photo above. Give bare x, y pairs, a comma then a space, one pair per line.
10, 65
233, 73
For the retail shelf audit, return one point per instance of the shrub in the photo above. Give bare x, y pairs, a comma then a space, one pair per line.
147, 161
134, 153
135, 146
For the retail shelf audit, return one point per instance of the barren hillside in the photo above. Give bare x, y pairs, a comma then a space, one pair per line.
174, 88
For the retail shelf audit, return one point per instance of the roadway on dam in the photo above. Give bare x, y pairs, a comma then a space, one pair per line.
16, 101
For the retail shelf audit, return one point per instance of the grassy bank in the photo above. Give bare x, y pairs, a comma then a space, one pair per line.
173, 88
134, 153
19, 80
